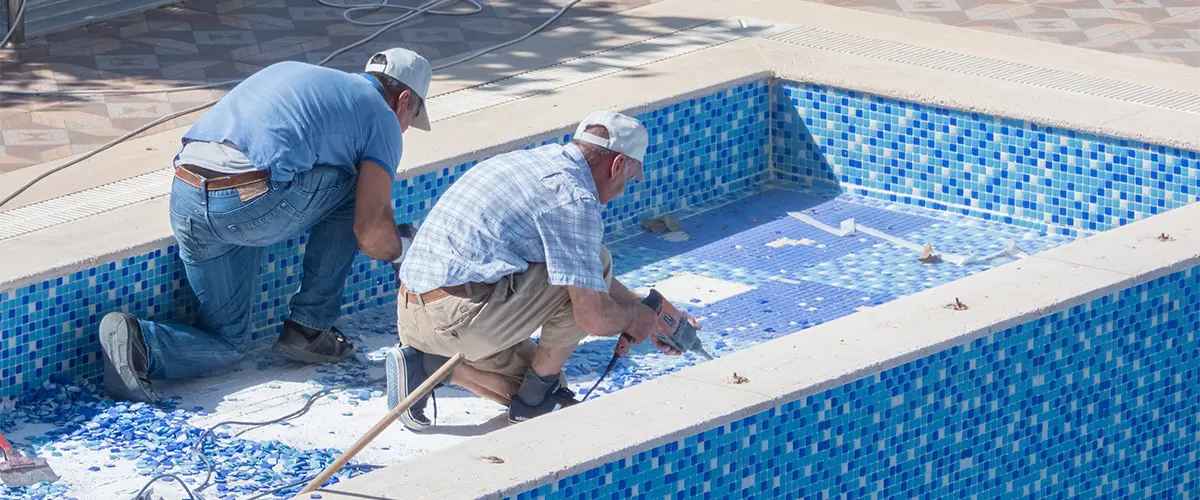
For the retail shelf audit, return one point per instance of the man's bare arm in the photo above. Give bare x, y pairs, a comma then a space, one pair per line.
597, 313
622, 294
374, 222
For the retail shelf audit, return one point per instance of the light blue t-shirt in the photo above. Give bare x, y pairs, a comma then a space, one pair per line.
291, 116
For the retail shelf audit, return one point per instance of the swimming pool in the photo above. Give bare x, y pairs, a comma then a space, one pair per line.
1097, 379
1096, 399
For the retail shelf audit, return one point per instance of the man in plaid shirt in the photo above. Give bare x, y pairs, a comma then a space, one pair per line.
515, 245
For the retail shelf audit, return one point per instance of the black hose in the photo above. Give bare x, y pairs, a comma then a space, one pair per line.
197, 448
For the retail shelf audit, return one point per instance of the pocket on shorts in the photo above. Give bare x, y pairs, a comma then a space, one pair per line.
452, 315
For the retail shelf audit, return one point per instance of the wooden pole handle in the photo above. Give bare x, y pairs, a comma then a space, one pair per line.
387, 420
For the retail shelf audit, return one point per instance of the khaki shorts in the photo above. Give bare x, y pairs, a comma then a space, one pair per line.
492, 326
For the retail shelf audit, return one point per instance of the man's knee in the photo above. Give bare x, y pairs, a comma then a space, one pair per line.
511, 362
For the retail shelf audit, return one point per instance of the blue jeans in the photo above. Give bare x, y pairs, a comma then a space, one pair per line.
221, 239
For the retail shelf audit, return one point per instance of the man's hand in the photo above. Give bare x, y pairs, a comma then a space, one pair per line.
623, 295
644, 325
407, 233
665, 347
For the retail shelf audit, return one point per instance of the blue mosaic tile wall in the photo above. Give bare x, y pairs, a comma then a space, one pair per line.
700, 149
1098, 401
979, 165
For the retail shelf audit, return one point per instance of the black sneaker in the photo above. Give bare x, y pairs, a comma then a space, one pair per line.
405, 368
558, 397
307, 345
126, 362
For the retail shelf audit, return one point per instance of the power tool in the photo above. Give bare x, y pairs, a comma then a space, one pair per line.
679, 334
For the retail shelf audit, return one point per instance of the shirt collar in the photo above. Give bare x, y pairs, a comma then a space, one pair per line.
374, 83
583, 172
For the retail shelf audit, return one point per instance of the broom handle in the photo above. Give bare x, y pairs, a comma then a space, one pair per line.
387, 420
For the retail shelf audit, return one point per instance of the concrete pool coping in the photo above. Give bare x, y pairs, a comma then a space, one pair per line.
697, 398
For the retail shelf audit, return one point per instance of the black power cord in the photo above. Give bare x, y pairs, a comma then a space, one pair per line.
198, 449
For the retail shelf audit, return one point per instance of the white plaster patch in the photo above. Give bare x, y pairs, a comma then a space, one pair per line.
692, 289
119, 481
785, 241
675, 237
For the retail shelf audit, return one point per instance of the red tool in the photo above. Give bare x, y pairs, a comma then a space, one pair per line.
680, 334
17, 471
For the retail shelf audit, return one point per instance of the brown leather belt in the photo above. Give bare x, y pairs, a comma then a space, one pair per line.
196, 177
463, 290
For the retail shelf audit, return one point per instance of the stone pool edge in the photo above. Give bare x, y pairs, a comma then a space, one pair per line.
534, 454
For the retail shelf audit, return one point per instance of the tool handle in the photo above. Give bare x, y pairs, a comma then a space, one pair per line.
387, 420
654, 301
6, 447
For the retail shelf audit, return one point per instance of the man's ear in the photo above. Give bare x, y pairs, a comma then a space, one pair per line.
407, 101
401, 99
618, 166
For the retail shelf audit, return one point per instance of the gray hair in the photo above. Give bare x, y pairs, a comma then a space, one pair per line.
393, 87
592, 153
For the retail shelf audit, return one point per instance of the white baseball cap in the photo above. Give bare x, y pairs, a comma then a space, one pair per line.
409, 68
626, 135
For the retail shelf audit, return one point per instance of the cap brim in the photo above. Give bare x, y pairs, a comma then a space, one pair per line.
421, 122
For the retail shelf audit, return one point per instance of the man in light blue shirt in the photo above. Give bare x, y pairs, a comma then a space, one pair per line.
296, 147
513, 246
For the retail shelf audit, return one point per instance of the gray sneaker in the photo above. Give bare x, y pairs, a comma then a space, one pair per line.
306, 345
126, 361
557, 397
405, 368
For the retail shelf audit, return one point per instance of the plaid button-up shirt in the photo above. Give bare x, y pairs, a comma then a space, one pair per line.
538, 205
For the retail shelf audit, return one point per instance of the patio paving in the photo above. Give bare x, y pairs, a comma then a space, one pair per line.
205, 41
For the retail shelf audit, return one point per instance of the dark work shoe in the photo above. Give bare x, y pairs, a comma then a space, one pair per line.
559, 397
405, 373
126, 362
307, 345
